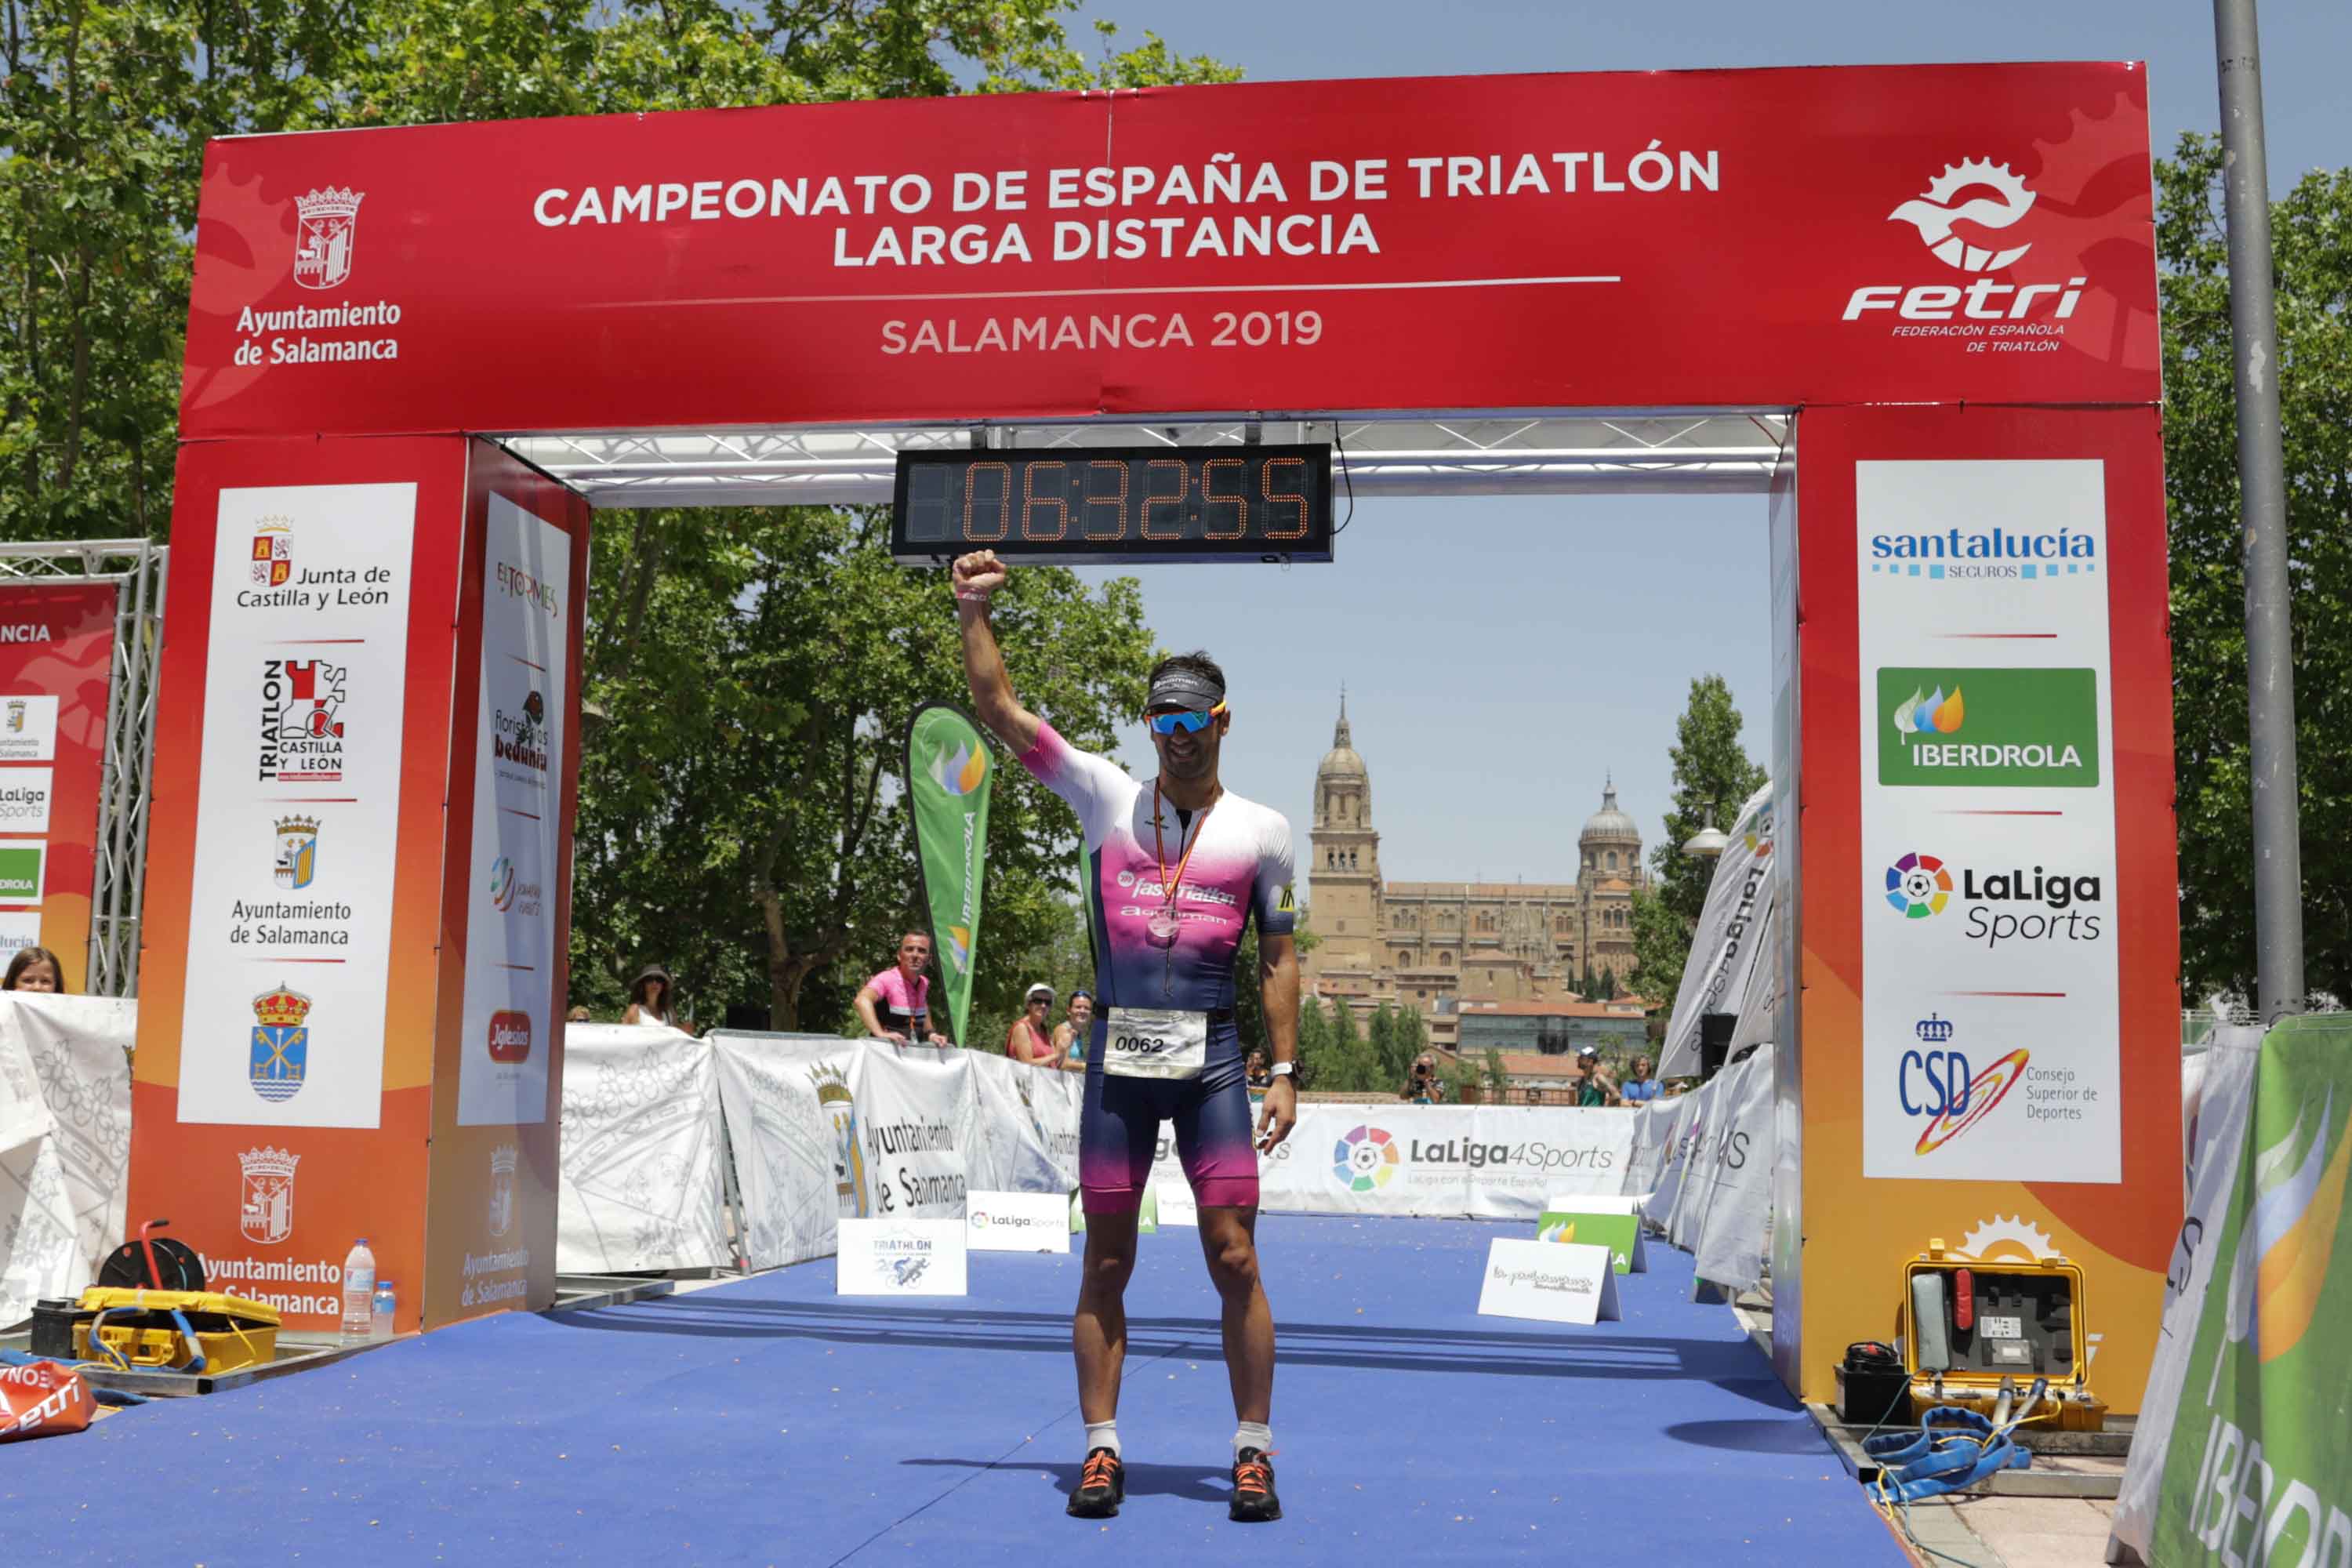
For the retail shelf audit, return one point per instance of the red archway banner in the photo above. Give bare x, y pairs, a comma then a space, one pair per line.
1670, 240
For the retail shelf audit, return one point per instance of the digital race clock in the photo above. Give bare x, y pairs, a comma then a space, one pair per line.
1102, 505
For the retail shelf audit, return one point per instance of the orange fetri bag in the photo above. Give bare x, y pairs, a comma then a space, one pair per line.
43, 1400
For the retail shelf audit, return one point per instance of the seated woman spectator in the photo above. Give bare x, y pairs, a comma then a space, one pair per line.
34, 969
1029, 1040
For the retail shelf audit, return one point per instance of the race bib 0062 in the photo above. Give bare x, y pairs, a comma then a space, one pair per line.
1149, 1042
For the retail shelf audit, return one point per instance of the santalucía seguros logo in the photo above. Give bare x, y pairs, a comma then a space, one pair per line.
1365, 1160
1918, 886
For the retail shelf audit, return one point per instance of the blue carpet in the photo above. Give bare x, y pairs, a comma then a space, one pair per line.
768, 1421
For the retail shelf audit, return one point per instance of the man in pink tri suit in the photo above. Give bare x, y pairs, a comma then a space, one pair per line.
1175, 866
896, 1005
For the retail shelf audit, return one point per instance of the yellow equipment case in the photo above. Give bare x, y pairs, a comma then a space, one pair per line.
1973, 1331
174, 1331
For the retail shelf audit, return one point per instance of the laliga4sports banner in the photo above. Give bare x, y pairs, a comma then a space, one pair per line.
948, 775
1694, 238
56, 651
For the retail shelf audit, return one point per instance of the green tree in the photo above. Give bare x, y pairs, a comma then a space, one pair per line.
105, 108
1608, 984
1498, 1079
1713, 778
1314, 1044
742, 811
1249, 994
1662, 942
2311, 267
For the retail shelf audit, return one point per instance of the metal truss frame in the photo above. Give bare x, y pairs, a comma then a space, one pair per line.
137, 568
1700, 452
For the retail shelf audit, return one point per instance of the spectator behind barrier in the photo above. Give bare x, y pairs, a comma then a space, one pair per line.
1591, 1085
34, 969
1028, 1040
1422, 1085
653, 999
1643, 1086
1073, 1033
903, 991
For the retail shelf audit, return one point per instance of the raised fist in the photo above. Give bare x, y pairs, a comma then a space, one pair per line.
979, 573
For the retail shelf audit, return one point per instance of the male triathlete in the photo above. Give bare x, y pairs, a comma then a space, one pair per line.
1175, 866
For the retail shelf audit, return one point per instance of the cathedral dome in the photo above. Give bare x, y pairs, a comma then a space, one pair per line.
1340, 760
1609, 821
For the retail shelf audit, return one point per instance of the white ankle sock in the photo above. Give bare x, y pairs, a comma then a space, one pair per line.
1251, 1435
1102, 1435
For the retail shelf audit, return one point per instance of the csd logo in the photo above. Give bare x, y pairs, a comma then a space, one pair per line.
1933, 1083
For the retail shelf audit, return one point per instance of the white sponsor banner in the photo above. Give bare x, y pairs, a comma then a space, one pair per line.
1017, 1222
517, 792
1551, 1281
289, 943
1025, 1137
65, 1142
1174, 1204
25, 795
28, 727
916, 1114
902, 1256
1733, 1166
784, 1140
1487, 1161
1729, 937
640, 1180
1989, 983
1596, 1203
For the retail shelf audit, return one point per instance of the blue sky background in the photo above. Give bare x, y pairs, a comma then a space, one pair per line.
1494, 683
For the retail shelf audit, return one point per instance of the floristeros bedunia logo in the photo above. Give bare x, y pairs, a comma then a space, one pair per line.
1990, 728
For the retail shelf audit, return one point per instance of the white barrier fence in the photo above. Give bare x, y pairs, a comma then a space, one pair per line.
663, 1134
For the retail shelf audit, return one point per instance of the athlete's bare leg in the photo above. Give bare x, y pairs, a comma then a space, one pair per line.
1229, 1240
1099, 1333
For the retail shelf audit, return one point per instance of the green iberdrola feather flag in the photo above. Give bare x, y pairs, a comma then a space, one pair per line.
948, 774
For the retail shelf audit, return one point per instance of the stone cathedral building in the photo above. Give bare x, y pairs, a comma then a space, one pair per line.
1435, 945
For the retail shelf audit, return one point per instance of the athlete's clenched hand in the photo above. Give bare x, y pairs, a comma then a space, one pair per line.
979, 573
1277, 1113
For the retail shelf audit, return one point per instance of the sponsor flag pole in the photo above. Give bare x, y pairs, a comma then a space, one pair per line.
948, 775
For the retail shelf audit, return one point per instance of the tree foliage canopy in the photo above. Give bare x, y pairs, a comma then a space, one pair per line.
2311, 239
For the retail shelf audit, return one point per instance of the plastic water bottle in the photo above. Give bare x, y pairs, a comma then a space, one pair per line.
359, 1292
387, 1309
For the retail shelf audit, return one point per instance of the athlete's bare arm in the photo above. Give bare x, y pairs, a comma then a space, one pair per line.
1278, 971
977, 576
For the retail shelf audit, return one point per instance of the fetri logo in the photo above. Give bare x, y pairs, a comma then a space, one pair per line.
1963, 218
1919, 886
2003, 200
509, 1036
1365, 1160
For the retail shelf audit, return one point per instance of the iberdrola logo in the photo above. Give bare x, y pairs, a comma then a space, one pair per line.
2281, 1268
1937, 715
959, 947
961, 773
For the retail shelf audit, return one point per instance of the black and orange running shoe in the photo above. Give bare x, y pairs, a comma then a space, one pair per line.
1253, 1499
1102, 1486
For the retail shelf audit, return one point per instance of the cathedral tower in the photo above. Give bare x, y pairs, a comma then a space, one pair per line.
1344, 859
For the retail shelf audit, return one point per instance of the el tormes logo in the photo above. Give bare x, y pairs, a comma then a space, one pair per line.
302, 733
1936, 1083
1919, 886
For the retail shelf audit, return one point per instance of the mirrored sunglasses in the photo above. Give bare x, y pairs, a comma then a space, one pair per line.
1190, 724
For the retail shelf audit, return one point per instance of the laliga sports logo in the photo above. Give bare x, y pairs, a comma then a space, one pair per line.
1933, 214
1366, 1159
1918, 886
1996, 200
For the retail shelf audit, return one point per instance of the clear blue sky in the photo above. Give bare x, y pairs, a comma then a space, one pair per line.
1492, 687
